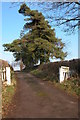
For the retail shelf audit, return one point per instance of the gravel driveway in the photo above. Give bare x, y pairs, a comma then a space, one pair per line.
35, 98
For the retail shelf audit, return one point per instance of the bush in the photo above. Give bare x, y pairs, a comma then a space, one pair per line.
71, 85
50, 72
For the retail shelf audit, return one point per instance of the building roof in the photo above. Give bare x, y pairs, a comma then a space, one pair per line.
3, 63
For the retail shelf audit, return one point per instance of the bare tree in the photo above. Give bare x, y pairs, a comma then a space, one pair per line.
65, 14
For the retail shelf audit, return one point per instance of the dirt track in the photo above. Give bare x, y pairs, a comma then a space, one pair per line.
37, 99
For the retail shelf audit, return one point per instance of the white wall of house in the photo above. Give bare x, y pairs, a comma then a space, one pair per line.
16, 68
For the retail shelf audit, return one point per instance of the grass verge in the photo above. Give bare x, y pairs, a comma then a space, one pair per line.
72, 85
7, 94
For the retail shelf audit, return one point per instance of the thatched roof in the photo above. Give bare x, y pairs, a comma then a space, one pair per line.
3, 63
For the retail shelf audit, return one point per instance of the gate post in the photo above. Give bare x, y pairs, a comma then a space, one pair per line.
8, 77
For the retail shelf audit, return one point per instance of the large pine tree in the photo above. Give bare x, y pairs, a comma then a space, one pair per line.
39, 43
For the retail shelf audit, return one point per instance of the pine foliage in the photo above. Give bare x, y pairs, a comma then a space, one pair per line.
38, 43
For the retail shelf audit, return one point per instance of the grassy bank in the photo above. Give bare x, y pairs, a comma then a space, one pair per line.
72, 85
7, 94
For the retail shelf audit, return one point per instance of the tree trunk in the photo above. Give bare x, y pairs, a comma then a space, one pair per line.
41, 61
21, 65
